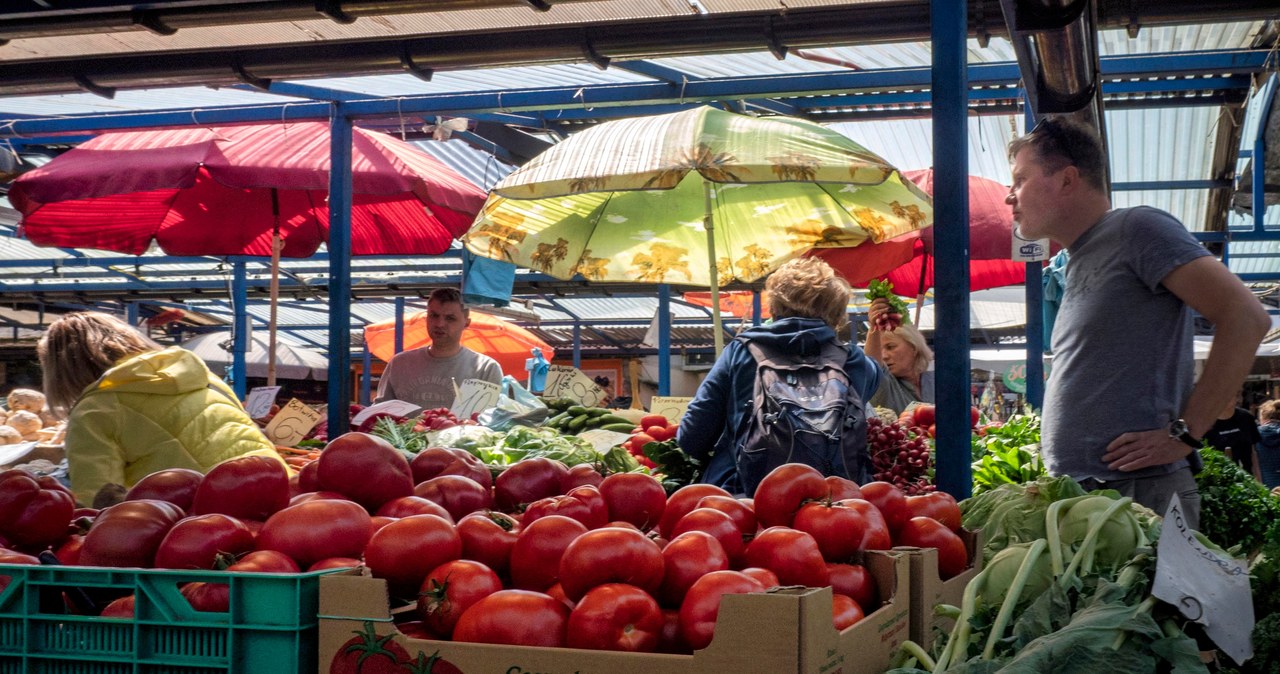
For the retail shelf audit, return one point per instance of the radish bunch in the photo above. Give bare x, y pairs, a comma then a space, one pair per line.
899, 456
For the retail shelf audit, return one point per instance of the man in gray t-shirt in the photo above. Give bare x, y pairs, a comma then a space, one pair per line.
426, 376
1121, 409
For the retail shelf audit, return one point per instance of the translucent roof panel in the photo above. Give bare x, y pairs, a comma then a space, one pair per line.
135, 100
908, 143
482, 79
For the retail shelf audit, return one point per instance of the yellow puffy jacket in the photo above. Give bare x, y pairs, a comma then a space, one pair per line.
153, 411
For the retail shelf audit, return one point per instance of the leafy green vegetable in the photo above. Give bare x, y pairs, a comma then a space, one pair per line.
1235, 509
1015, 513
400, 434
1007, 454
677, 468
878, 289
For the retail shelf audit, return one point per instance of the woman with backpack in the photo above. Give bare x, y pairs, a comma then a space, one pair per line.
740, 432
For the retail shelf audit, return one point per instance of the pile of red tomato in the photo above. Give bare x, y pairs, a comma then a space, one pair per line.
652, 428
541, 555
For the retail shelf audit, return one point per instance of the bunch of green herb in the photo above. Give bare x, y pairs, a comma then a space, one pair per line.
401, 434
1235, 510
897, 315
674, 468
1007, 454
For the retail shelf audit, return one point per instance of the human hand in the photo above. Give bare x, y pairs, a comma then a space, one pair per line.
1143, 449
882, 316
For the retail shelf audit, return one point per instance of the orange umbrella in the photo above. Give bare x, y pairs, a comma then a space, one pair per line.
733, 302
503, 341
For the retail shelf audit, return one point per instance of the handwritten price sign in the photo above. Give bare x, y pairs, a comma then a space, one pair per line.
569, 382
292, 423
671, 407
475, 395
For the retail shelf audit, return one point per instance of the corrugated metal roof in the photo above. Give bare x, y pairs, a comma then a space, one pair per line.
908, 143
476, 165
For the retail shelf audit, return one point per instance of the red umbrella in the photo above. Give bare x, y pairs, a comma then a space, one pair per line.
990, 244
233, 190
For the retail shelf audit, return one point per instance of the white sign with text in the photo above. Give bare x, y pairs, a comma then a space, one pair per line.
292, 423
671, 407
569, 382
474, 396
260, 400
396, 408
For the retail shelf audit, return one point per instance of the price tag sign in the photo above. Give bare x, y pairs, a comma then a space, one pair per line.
569, 382
398, 408
673, 408
291, 423
1206, 587
260, 401
602, 441
475, 395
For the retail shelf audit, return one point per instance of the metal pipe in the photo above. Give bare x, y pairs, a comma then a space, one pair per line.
339, 272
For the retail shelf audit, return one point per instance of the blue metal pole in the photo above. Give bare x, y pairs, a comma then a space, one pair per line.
577, 343
399, 324
1035, 316
240, 326
131, 313
951, 240
664, 339
757, 311
1259, 153
339, 271
366, 377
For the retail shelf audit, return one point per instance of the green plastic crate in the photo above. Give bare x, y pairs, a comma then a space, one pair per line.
270, 629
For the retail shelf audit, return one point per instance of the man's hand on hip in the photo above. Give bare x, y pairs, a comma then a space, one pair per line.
1143, 449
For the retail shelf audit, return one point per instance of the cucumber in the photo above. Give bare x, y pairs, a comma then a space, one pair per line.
597, 411
577, 423
556, 420
577, 410
625, 427
613, 419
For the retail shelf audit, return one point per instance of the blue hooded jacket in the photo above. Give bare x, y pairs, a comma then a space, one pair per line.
716, 418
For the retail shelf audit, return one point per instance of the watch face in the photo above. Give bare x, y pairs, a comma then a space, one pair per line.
1177, 428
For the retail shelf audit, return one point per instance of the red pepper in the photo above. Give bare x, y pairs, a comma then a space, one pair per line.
34, 511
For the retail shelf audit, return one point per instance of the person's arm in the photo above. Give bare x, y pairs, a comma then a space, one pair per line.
1240, 322
94, 457
386, 390
704, 420
873, 346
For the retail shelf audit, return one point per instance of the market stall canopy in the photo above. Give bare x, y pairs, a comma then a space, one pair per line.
501, 340
293, 361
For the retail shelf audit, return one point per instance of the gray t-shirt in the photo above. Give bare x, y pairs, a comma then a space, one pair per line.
415, 376
1122, 343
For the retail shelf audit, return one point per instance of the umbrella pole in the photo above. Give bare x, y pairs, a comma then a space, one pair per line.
276, 245
709, 225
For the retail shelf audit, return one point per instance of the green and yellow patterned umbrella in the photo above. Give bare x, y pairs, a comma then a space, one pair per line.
698, 197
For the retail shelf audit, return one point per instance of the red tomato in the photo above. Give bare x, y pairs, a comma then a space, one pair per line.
365, 468
119, 608
335, 563
11, 557
129, 533
526, 481
939, 505
452, 588
488, 537
436, 461
638, 441
737, 510
653, 420
923, 532
974, 416
923, 416
687, 558
459, 495
634, 497
855, 581
890, 501
34, 511
316, 496
557, 591
583, 473
68, 552
784, 490
246, 488
535, 558
514, 617
682, 501
309, 478
597, 507
406, 550
197, 541
610, 556
701, 605
216, 597
838, 529
840, 488
671, 641
716, 523
175, 485
875, 531
368, 653
660, 433
564, 506
312, 531
766, 577
416, 629
378, 521
616, 617
791, 554
845, 612
407, 506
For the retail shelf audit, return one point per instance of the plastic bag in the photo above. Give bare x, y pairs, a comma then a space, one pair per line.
516, 407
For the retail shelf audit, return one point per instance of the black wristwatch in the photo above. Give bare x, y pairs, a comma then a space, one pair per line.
1178, 430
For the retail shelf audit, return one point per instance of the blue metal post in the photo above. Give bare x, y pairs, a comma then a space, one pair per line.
339, 271
366, 377
240, 326
1259, 153
399, 324
757, 311
577, 343
664, 339
131, 313
951, 240
1035, 316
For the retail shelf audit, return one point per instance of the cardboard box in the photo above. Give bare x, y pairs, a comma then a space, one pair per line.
787, 630
928, 589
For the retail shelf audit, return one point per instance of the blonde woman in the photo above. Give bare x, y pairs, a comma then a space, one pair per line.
809, 304
134, 407
903, 358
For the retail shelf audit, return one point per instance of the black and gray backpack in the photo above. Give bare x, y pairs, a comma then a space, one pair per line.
804, 410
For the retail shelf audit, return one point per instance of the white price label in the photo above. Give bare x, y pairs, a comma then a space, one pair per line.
602, 441
291, 423
673, 408
1206, 587
569, 382
475, 395
260, 400
396, 408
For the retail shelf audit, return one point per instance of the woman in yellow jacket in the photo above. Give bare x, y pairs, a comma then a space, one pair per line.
135, 407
